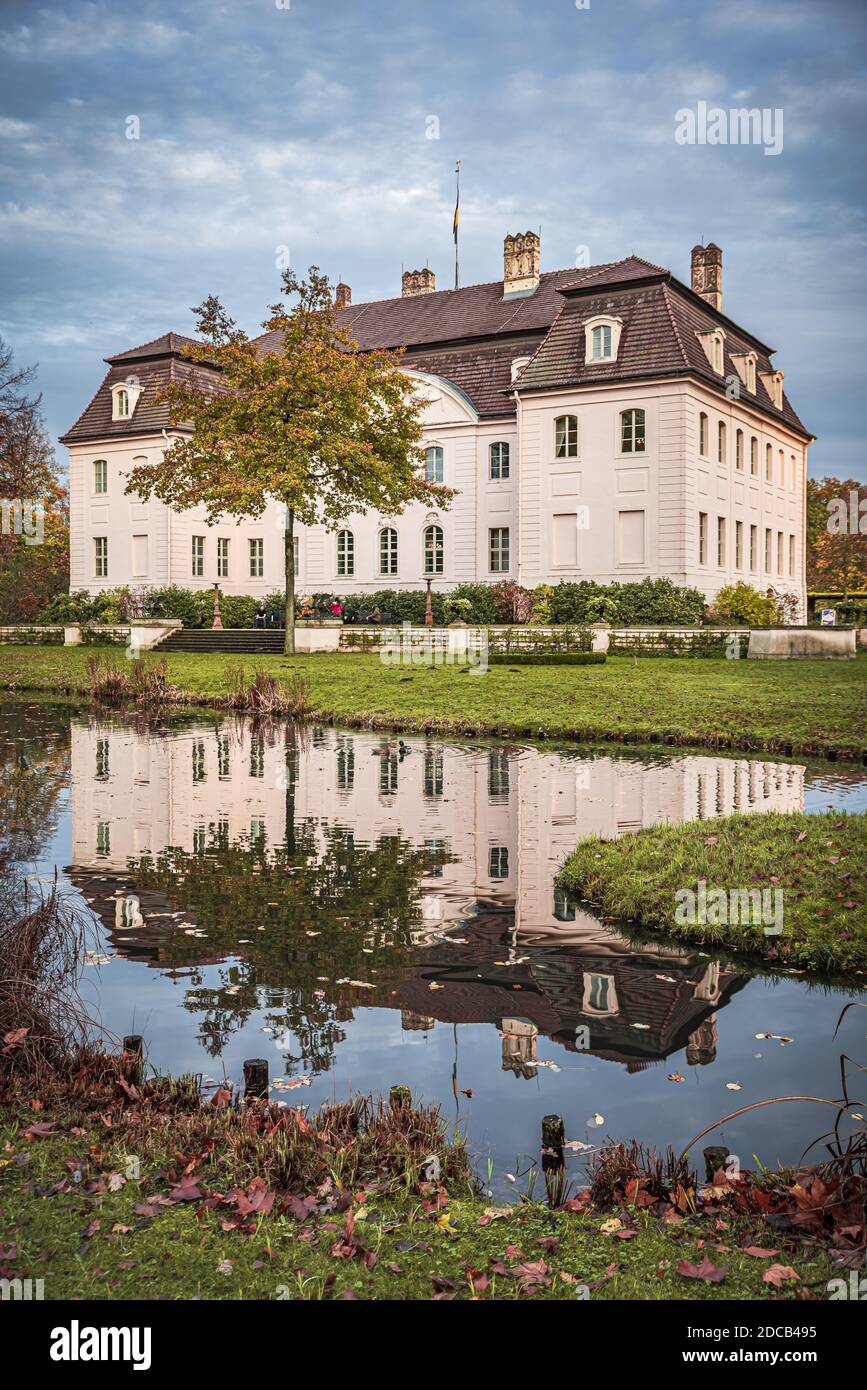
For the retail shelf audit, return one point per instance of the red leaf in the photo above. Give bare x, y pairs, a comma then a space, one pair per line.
707, 1270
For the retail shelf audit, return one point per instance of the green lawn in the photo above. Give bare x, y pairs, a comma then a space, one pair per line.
818, 863
790, 706
88, 1241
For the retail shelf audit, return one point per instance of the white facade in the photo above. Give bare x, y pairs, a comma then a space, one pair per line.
603, 514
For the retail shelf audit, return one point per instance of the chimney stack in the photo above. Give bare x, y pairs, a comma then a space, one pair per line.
707, 273
418, 282
520, 263
342, 296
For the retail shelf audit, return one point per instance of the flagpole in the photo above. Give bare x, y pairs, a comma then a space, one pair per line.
457, 206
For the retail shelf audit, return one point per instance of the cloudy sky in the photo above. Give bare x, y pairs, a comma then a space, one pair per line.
307, 124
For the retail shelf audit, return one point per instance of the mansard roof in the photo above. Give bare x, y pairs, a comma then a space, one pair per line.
471, 337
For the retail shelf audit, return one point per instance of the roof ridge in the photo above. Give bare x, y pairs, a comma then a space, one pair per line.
170, 337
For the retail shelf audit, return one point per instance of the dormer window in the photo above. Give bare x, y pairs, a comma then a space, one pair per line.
518, 365
773, 382
124, 398
602, 338
714, 348
745, 364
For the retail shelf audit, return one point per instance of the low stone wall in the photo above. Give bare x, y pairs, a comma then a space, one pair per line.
786, 643
143, 634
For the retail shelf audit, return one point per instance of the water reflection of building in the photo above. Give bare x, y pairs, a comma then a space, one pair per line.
505, 817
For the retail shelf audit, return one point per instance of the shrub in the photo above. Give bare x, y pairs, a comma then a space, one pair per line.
546, 658
175, 602
744, 604
542, 599
514, 602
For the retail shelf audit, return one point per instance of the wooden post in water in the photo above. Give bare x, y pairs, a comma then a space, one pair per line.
715, 1158
400, 1097
553, 1139
133, 1060
255, 1078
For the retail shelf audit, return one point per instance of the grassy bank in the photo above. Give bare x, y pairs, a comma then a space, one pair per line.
817, 862
109, 1195
809, 707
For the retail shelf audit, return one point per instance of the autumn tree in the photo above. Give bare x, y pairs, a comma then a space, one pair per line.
301, 418
30, 574
836, 535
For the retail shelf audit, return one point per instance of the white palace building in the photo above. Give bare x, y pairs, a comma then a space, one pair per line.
605, 423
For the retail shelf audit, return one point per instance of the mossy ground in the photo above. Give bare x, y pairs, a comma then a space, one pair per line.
818, 862
749, 705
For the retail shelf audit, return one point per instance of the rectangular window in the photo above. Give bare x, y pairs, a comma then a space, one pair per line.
433, 772
779, 552
257, 559
499, 549
791, 557
100, 557
754, 548
630, 538
498, 862
222, 558
100, 477
739, 545
198, 556
721, 542
388, 551
498, 775
499, 461
768, 545
702, 538
345, 554
566, 437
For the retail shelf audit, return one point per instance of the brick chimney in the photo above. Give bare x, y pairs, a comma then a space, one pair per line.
520, 263
707, 273
342, 296
418, 282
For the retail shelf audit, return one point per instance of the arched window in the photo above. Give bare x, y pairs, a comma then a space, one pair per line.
122, 404
433, 468
345, 553
566, 437
769, 464
600, 339
739, 449
388, 550
499, 460
702, 434
433, 550
100, 477
754, 457
632, 431
721, 441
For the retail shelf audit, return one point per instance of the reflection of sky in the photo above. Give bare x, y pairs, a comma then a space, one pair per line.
504, 1114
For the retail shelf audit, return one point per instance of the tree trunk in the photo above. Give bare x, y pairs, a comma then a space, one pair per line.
289, 560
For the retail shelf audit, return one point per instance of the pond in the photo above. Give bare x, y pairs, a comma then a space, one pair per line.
364, 912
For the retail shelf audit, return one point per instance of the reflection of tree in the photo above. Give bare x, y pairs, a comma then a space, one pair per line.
304, 925
34, 767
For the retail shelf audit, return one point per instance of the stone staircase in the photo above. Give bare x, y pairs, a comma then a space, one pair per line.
231, 641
